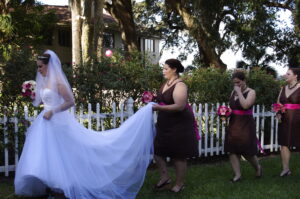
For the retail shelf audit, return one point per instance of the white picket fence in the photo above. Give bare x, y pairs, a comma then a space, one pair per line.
212, 131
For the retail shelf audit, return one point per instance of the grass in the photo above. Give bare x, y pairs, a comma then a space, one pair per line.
211, 181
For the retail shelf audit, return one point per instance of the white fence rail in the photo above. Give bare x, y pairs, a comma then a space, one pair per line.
211, 129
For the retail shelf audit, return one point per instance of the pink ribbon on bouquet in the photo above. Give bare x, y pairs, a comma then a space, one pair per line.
259, 146
292, 106
195, 122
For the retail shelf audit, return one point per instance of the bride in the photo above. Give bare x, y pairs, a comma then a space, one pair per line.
62, 155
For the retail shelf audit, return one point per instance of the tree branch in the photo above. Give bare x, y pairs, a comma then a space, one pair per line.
285, 5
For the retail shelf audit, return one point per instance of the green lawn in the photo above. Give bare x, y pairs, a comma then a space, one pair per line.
211, 181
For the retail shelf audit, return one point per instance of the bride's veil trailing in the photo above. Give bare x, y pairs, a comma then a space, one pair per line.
54, 77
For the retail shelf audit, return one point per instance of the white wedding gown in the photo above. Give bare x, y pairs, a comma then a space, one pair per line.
63, 155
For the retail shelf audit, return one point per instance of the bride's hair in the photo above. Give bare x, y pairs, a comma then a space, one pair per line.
44, 58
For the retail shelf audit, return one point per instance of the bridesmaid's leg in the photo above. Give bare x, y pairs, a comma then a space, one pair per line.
163, 171
235, 164
180, 168
285, 159
254, 162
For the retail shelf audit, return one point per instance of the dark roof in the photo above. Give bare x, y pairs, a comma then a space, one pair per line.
64, 14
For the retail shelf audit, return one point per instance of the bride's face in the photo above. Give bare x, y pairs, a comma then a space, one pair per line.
42, 68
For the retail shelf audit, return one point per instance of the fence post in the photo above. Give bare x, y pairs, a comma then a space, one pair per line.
211, 129
129, 107
16, 121
200, 128
218, 131
114, 113
97, 116
89, 116
5, 134
206, 129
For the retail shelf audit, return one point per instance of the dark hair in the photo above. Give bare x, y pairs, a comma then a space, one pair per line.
175, 63
296, 71
44, 58
240, 75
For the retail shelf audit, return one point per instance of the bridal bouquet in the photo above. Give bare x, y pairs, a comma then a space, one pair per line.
28, 89
278, 109
224, 112
148, 96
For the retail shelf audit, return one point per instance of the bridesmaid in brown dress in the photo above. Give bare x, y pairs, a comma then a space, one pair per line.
175, 136
289, 127
240, 136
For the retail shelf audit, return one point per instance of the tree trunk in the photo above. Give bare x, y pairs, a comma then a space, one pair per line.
76, 32
98, 30
87, 33
208, 53
121, 10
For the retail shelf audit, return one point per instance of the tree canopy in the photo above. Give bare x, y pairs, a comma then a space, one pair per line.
23, 24
213, 26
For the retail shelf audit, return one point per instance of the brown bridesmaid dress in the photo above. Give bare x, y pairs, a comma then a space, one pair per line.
240, 135
175, 136
289, 127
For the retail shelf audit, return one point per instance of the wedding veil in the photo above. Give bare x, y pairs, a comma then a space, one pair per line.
55, 77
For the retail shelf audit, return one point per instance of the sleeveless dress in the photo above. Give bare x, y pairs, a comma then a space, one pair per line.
240, 135
289, 127
64, 156
175, 136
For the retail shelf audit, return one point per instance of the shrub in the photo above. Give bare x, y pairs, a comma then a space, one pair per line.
116, 78
209, 85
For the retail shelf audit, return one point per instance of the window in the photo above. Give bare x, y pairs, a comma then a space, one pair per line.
64, 37
48, 38
108, 40
148, 45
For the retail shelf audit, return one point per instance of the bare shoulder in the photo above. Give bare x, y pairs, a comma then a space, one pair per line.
180, 87
252, 91
181, 84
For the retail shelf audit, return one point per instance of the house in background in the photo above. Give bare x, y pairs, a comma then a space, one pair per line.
61, 40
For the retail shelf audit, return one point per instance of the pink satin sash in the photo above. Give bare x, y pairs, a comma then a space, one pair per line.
242, 112
292, 106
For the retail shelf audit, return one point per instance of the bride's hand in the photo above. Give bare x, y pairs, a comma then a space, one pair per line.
48, 115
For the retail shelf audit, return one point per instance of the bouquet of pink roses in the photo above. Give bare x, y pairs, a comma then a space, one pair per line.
148, 96
224, 112
279, 109
28, 89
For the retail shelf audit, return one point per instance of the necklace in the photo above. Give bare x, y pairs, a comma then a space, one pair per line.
170, 83
291, 87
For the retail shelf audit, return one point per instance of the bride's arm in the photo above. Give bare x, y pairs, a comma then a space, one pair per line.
68, 102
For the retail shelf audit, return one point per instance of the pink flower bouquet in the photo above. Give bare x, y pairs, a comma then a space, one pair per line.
224, 112
28, 89
148, 96
278, 109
